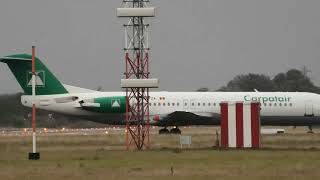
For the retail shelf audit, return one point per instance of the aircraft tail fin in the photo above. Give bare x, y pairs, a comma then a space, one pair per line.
46, 82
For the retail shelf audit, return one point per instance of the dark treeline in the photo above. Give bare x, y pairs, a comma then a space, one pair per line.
13, 114
292, 81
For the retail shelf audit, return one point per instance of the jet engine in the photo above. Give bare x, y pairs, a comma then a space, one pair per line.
114, 104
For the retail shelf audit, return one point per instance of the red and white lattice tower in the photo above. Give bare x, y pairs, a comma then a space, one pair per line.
137, 82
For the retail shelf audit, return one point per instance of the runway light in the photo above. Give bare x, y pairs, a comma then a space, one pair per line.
25, 130
106, 132
63, 129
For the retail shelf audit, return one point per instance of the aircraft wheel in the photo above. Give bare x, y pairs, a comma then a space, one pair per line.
164, 131
175, 131
310, 130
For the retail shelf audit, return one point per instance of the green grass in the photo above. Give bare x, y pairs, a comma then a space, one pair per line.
289, 156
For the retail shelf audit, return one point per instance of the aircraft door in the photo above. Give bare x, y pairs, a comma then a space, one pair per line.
316, 110
308, 109
185, 104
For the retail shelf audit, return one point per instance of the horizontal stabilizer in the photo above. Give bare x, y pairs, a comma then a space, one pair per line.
90, 105
65, 99
74, 89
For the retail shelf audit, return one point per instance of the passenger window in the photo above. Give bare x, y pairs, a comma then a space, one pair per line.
164, 104
280, 104
186, 104
275, 104
168, 104
154, 104
265, 104
285, 104
290, 104
172, 104
177, 104
214, 104
198, 104
270, 104
209, 104
192, 104
159, 104
204, 104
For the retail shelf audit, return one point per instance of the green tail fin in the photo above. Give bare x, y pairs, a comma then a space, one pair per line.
46, 82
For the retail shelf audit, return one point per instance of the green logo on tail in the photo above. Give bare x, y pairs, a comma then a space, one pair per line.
40, 79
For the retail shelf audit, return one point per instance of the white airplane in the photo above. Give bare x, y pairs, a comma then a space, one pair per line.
166, 108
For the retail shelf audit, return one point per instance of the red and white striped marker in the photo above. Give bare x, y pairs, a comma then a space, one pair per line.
33, 101
240, 124
34, 155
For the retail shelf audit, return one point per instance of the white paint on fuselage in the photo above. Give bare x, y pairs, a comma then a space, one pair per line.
202, 103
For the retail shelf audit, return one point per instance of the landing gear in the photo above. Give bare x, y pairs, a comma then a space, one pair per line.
175, 130
164, 131
310, 130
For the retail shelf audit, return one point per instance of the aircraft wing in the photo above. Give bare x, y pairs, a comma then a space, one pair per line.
182, 118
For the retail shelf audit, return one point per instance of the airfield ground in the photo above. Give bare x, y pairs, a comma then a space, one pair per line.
99, 154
